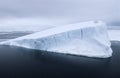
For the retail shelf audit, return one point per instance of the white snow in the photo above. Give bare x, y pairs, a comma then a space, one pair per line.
87, 39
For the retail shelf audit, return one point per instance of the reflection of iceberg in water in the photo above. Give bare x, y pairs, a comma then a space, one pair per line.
87, 39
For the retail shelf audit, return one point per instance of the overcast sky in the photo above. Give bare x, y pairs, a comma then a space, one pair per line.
54, 12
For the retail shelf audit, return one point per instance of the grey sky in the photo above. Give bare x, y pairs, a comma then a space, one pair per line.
68, 10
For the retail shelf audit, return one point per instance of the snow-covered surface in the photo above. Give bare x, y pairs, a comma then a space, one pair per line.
87, 39
114, 35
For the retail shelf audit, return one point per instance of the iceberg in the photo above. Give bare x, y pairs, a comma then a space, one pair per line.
85, 39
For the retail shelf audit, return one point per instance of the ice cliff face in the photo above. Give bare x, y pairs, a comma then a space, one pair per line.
87, 39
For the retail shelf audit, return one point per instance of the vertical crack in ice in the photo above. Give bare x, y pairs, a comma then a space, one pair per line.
81, 34
68, 35
54, 37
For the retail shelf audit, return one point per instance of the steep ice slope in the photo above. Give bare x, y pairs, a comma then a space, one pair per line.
87, 39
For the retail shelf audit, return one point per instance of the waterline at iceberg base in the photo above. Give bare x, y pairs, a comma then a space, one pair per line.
86, 39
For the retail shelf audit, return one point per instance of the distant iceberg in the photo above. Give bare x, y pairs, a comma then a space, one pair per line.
86, 39
114, 34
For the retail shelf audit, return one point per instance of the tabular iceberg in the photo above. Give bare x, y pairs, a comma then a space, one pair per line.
86, 39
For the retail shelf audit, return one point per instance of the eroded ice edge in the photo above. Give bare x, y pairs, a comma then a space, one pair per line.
86, 39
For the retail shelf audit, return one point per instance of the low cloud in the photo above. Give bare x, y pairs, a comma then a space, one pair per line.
71, 10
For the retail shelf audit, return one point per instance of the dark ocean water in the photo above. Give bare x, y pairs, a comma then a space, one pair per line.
11, 35
17, 62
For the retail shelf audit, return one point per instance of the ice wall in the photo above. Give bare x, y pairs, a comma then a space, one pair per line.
86, 39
